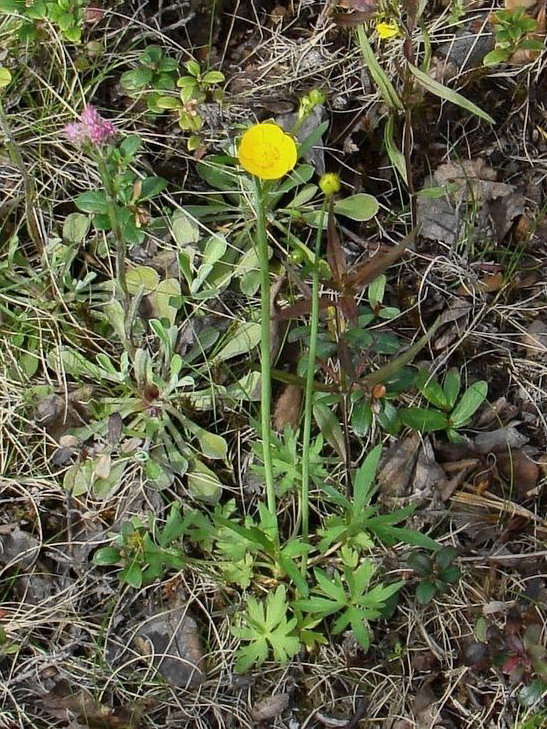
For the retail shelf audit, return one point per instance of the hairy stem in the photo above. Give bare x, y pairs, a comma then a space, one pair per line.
265, 345
308, 396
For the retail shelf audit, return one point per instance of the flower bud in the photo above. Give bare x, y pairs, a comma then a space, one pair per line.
329, 184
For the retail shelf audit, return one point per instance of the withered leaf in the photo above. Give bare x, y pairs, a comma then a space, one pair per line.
287, 408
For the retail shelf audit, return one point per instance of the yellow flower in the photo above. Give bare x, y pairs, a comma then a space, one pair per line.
387, 30
329, 184
267, 151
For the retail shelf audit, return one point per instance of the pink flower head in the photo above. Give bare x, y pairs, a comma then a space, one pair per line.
91, 128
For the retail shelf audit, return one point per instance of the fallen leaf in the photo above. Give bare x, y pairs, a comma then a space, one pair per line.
287, 408
521, 472
495, 441
469, 183
535, 340
526, 4
171, 641
487, 285
270, 707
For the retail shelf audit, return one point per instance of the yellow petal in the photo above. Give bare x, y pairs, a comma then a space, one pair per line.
387, 30
267, 151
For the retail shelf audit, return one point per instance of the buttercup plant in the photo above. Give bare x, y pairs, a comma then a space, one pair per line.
268, 153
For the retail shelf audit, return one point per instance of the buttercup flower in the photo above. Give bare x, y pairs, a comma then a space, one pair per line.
387, 30
267, 151
91, 128
329, 184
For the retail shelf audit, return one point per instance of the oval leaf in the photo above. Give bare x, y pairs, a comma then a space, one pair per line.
357, 207
470, 401
425, 421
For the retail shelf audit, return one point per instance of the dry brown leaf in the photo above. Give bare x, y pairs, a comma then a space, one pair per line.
66, 702
287, 408
270, 707
171, 641
519, 470
487, 285
535, 340
526, 4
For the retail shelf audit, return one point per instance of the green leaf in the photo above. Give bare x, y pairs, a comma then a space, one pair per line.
378, 74
76, 227
451, 387
161, 298
242, 339
470, 402
92, 202
203, 484
211, 445
498, 55
361, 418
151, 186
363, 484
421, 563
431, 390
422, 420
218, 175
143, 278
167, 102
192, 67
396, 157
358, 207
137, 79
213, 77
175, 527
330, 427
185, 230
312, 139
425, 592
390, 535
106, 556
132, 575
444, 92
5, 77
446, 556
450, 575
293, 571
265, 626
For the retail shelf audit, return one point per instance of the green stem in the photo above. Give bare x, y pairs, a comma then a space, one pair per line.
121, 249
308, 396
265, 344
16, 157
119, 240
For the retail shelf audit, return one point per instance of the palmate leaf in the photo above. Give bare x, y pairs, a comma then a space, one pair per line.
266, 627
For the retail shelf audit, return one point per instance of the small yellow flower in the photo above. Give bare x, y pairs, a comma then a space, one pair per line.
267, 151
387, 30
329, 184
